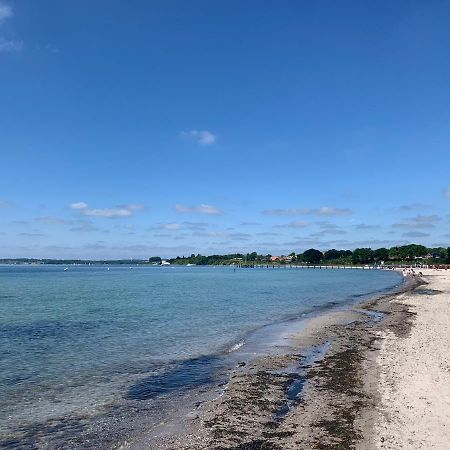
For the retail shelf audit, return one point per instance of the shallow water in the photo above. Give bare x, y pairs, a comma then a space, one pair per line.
85, 342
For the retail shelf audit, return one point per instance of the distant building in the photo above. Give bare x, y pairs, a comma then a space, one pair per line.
287, 259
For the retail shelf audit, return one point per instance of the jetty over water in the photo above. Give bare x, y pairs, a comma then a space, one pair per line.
335, 267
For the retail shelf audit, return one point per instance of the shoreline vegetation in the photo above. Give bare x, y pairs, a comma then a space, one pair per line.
412, 254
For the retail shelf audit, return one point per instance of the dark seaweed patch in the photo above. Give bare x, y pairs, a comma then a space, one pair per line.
258, 444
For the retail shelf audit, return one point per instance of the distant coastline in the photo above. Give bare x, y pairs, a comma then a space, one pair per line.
412, 254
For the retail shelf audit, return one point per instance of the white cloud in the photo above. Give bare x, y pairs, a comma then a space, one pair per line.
322, 211
107, 212
119, 211
10, 46
447, 192
171, 226
132, 207
199, 209
78, 205
6, 12
204, 137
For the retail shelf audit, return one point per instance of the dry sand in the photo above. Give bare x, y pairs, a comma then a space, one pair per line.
414, 383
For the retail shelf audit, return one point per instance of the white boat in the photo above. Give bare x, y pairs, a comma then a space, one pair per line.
190, 265
165, 263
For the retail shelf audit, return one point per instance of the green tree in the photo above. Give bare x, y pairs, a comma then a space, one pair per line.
362, 255
252, 256
381, 254
154, 259
332, 254
394, 253
312, 256
411, 251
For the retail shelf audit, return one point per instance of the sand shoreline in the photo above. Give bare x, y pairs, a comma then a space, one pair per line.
339, 403
413, 410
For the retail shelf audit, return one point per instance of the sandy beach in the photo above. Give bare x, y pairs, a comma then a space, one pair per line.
414, 384
375, 376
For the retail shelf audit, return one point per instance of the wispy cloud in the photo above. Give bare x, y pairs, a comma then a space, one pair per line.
84, 226
195, 225
52, 220
171, 226
109, 213
322, 211
249, 224
415, 234
199, 209
447, 192
6, 12
294, 224
366, 226
8, 45
326, 224
327, 228
203, 137
327, 231
78, 205
32, 234
5, 204
418, 222
132, 207
267, 233
410, 207
224, 234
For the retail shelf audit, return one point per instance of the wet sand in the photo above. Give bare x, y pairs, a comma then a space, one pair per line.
350, 379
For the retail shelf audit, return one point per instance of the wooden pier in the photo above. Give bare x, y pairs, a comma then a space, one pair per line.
309, 266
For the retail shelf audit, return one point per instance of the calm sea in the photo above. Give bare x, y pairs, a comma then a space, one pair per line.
77, 344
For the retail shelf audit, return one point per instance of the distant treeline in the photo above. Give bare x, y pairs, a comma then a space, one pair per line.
68, 262
394, 255
405, 253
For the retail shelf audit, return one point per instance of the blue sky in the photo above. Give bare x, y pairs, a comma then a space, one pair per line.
132, 129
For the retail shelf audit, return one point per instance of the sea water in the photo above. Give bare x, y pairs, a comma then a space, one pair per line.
76, 344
